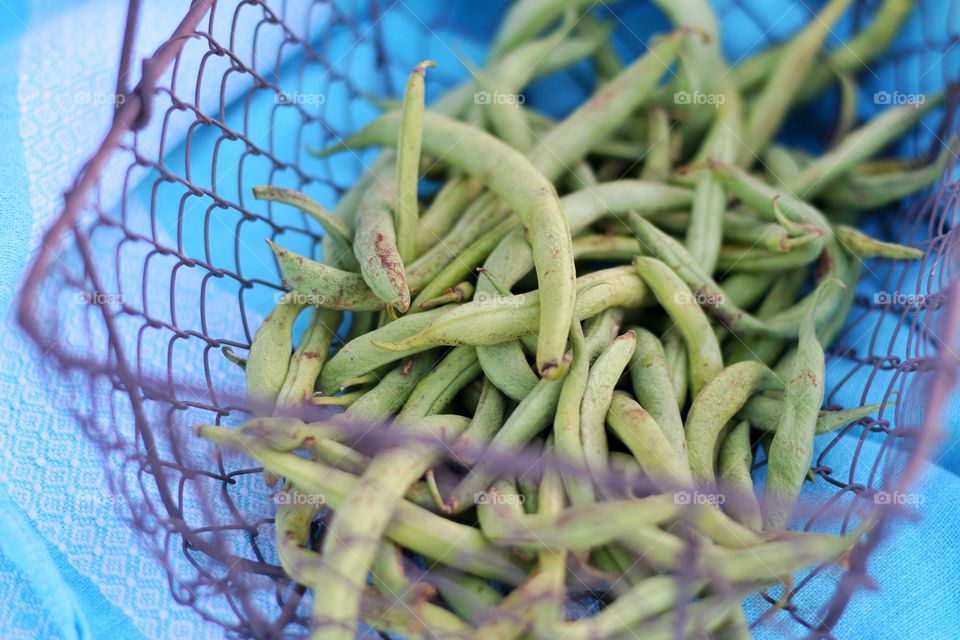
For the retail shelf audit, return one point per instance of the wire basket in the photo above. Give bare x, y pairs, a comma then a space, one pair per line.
161, 243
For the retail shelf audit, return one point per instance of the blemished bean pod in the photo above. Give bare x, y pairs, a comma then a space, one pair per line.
269, 358
375, 242
792, 448
703, 350
643, 437
532, 198
308, 359
654, 390
412, 527
712, 409
332, 225
335, 254
325, 286
407, 211
735, 480
770, 107
597, 396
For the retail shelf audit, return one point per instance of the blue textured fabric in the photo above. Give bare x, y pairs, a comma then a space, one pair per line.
70, 567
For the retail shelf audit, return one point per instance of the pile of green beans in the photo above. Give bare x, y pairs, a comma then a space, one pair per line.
581, 345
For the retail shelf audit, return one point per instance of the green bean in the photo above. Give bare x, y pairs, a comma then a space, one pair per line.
269, 358
654, 390
233, 357
375, 241
503, 112
505, 365
443, 212
525, 20
716, 406
308, 359
678, 301
652, 596
787, 77
643, 437
577, 528
736, 482
745, 290
352, 537
758, 259
861, 144
598, 394
782, 166
292, 524
658, 161
491, 321
768, 202
567, 425
335, 254
469, 597
862, 245
792, 448
324, 285
532, 198
546, 588
607, 248
862, 189
458, 293
412, 527
361, 356
710, 200
407, 210
487, 421
675, 353
334, 227
764, 413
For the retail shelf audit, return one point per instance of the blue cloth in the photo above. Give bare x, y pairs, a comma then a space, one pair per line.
70, 565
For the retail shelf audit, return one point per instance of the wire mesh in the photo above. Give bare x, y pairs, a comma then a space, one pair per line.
156, 264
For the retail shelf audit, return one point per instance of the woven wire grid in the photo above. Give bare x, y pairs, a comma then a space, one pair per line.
153, 352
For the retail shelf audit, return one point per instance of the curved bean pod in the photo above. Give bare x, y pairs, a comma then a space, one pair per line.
325, 286
269, 358
735, 479
654, 390
715, 406
375, 242
407, 211
703, 350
